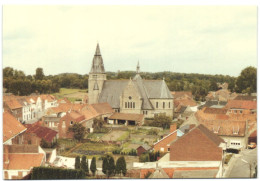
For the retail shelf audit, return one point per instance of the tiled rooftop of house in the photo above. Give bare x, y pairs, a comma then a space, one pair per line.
11, 126
42, 132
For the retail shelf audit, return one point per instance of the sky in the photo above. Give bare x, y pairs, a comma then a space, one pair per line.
185, 39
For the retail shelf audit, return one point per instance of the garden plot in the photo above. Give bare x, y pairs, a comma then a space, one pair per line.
116, 136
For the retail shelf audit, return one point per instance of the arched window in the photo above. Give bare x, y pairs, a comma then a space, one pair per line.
169, 104
156, 104
133, 104
128, 104
163, 105
125, 104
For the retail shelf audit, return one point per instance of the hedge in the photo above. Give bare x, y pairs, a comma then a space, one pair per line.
41, 173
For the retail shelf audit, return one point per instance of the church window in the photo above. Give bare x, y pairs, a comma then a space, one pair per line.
156, 104
128, 105
169, 104
133, 104
125, 104
163, 105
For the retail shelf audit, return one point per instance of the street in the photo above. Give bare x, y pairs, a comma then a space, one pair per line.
243, 165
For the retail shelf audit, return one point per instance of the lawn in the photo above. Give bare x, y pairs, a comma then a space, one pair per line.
71, 94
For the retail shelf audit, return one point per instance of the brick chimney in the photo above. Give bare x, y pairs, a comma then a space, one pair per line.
173, 127
6, 154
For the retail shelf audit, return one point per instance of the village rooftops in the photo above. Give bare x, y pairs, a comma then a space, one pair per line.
23, 161
241, 104
11, 126
240, 97
199, 144
225, 127
42, 132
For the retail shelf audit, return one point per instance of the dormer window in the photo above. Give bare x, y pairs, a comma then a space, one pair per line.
236, 130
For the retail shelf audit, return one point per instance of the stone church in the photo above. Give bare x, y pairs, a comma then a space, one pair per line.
139, 96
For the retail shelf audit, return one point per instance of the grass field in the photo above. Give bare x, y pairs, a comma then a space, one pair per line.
71, 94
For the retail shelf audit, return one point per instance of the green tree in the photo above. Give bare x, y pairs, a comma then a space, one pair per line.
8, 72
121, 166
79, 131
39, 74
93, 166
77, 162
111, 166
84, 164
246, 82
213, 85
105, 165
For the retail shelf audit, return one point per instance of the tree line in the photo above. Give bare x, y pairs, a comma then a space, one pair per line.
16, 82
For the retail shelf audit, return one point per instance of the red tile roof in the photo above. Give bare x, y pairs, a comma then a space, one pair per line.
199, 144
102, 108
42, 132
127, 116
209, 110
11, 126
13, 104
225, 127
180, 94
241, 104
47, 97
20, 161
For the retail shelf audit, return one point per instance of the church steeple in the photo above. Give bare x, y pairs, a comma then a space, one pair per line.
138, 68
97, 63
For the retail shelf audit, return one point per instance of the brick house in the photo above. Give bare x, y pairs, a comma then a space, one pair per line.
68, 120
142, 149
35, 133
199, 153
18, 159
163, 145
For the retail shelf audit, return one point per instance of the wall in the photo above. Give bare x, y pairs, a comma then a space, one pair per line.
229, 139
164, 144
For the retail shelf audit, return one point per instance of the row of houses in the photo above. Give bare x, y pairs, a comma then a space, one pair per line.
28, 109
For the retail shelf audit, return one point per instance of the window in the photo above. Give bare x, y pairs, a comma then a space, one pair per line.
71, 122
128, 105
133, 104
125, 104
163, 105
162, 149
169, 104
241, 112
168, 149
156, 104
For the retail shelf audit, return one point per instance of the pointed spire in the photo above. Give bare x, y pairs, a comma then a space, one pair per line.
138, 68
97, 51
97, 63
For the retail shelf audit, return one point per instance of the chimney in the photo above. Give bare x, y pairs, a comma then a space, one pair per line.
6, 154
173, 127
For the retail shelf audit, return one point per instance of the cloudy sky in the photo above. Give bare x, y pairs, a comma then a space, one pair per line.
187, 39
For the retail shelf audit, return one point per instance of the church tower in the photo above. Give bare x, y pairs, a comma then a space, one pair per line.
96, 79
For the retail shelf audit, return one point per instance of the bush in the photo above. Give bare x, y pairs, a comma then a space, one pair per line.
43, 173
227, 158
161, 120
153, 132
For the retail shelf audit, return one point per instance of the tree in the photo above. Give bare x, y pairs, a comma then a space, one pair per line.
84, 164
79, 131
213, 85
93, 167
162, 120
77, 162
246, 82
39, 74
111, 166
105, 165
121, 166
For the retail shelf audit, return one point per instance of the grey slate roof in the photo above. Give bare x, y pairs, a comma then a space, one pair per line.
112, 89
97, 63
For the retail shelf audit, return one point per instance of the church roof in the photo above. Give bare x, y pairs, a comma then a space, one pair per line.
148, 89
97, 63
